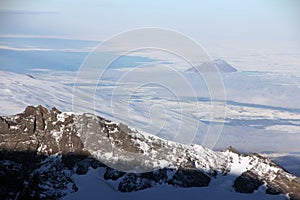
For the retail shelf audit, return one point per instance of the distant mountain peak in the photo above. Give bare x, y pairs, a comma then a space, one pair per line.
221, 65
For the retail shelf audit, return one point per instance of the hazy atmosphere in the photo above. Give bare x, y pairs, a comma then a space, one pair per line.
211, 73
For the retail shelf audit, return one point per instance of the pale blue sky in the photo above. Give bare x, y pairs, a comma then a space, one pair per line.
202, 20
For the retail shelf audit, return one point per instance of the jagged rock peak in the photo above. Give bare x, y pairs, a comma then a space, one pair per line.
232, 149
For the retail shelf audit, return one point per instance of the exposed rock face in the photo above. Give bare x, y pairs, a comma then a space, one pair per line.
112, 174
188, 175
27, 141
27, 175
282, 184
41, 150
35, 129
248, 182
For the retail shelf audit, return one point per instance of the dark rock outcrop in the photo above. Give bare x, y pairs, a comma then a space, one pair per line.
248, 182
188, 175
282, 185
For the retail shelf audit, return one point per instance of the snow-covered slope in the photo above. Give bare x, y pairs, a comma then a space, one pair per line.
252, 116
49, 154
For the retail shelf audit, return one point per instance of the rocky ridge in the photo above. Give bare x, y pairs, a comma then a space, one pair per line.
41, 150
